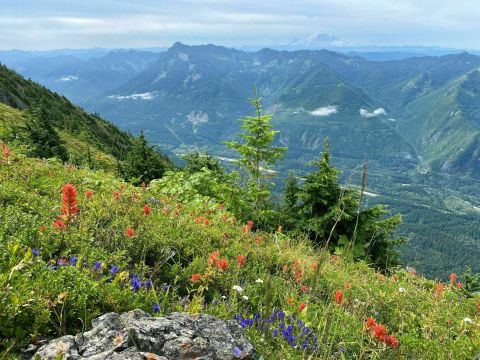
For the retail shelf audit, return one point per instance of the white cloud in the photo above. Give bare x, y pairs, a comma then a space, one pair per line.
140, 96
367, 114
324, 111
68, 78
197, 118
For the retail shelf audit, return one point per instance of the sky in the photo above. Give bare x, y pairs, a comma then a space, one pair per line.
54, 24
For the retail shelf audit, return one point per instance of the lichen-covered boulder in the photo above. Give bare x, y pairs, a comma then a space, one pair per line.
138, 335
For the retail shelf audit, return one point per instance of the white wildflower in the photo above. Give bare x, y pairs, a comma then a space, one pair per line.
467, 320
237, 288
244, 297
259, 281
402, 290
224, 297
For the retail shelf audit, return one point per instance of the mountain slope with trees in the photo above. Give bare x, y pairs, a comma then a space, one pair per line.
53, 127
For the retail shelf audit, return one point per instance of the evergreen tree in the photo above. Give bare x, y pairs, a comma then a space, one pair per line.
42, 136
289, 210
143, 162
196, 162
257, 154
328, 214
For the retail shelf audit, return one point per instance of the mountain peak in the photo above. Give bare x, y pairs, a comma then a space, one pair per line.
178, 46
317, 40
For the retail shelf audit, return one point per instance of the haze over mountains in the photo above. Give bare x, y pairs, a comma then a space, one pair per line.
415, 121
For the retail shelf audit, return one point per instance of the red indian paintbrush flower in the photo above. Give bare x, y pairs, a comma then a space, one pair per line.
116, 195
59, 224
130, 232
370, 323
195, 277
147, 209
305, 288
42, 228
240, 261
88, 194
213, 258
439, 290
301, 307
453, 278
338, 296
222, 264
391, 341
6, 151
69, 202
379, 332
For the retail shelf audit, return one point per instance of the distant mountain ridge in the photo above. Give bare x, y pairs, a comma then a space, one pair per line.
194, 94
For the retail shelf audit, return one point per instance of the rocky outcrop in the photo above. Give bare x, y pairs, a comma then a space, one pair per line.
137, 335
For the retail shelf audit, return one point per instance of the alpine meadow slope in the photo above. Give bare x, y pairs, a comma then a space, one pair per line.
413, 121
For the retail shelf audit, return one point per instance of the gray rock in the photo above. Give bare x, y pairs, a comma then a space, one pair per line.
136, 335
62, 348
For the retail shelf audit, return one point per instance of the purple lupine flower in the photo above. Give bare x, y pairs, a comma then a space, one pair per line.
237, 352
35, 252
73, 260
165, 287
62, 261
148, 284
136, 284
156, 308
215, 302
97, 266
281, 315
304, 345
114, 270
244, 323
275, 332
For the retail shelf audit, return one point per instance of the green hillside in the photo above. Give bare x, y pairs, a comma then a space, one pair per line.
118, 247
13, 124
444, 126
23, 94
51, 126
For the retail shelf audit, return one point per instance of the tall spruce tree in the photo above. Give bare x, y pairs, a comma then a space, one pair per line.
257, 153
